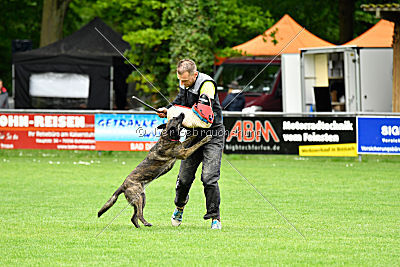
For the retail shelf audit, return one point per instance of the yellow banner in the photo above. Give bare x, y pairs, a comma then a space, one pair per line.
337, 150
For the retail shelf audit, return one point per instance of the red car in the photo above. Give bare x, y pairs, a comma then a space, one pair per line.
260, 77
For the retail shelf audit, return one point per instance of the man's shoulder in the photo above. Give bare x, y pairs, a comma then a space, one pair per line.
205, 77
202, 78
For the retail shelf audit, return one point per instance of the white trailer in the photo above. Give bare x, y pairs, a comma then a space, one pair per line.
291, 83
357, 79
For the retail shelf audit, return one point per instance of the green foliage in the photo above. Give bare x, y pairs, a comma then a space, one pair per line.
140, 22
203, 29
19, 19
272, 36
162, 32
321, 17
78, 14
191, 36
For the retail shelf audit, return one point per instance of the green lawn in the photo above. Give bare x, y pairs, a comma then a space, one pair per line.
348, 210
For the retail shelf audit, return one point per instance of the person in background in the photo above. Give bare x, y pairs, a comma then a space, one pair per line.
3, 96
234, 101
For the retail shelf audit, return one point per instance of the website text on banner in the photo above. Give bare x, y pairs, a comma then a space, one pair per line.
378, 135
284, 135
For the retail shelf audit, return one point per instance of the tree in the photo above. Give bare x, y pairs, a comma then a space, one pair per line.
53, 20
318, 17
159, 36
346, 20
161, 32
202, 29
20, 19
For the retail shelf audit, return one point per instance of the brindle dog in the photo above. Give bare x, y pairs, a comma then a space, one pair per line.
159, 161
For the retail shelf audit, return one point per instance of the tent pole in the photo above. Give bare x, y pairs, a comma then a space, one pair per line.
111, 87
13, 80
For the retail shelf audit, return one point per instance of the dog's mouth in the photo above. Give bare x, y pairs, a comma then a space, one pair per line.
175, 128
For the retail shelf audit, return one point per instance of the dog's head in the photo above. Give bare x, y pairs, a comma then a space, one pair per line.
173, 127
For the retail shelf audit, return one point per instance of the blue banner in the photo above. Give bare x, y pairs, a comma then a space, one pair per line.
378, 135
127, 127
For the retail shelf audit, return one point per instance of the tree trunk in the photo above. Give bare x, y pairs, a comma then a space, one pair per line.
396, 67
52, 20
346, 20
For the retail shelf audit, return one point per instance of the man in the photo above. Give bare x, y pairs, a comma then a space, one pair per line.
3, 96
234, 101
196, 90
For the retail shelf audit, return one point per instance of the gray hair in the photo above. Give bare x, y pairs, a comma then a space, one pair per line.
186, 65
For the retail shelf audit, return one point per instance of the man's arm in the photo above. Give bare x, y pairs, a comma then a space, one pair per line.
203, 108
208, 88
179, 99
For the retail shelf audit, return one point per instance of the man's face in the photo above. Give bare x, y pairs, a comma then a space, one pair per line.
186, 79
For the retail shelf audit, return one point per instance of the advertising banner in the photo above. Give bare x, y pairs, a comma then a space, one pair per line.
127, 132
47, 131
284, 135
378, 135
137, 132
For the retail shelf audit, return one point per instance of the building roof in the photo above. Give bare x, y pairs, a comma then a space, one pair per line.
284, 31
379, 35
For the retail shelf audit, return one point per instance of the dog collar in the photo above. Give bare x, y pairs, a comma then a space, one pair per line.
173, 140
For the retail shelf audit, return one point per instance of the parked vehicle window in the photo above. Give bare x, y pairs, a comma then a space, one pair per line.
244, 74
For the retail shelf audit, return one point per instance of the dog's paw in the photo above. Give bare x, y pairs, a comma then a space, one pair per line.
207, 138
148, 224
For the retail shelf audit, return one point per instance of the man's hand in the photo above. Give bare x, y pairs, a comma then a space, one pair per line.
162, 112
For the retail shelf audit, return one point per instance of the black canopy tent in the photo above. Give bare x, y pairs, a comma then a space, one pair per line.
83, 52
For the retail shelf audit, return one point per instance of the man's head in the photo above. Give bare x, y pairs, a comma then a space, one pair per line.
233, 86
186, 71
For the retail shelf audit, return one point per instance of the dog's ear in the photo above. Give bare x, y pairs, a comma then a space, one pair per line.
162, 126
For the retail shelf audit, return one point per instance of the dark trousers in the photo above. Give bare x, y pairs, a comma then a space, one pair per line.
210, 155
4, 100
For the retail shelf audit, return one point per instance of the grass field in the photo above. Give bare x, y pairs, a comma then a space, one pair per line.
349, 212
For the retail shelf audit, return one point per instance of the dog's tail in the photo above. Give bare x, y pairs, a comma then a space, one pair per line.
111, 201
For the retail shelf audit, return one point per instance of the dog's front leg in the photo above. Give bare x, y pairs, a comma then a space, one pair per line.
188, 140
185, 153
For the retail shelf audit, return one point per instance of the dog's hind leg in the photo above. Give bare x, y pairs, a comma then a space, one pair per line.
134, 218
132, 195
142, 202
